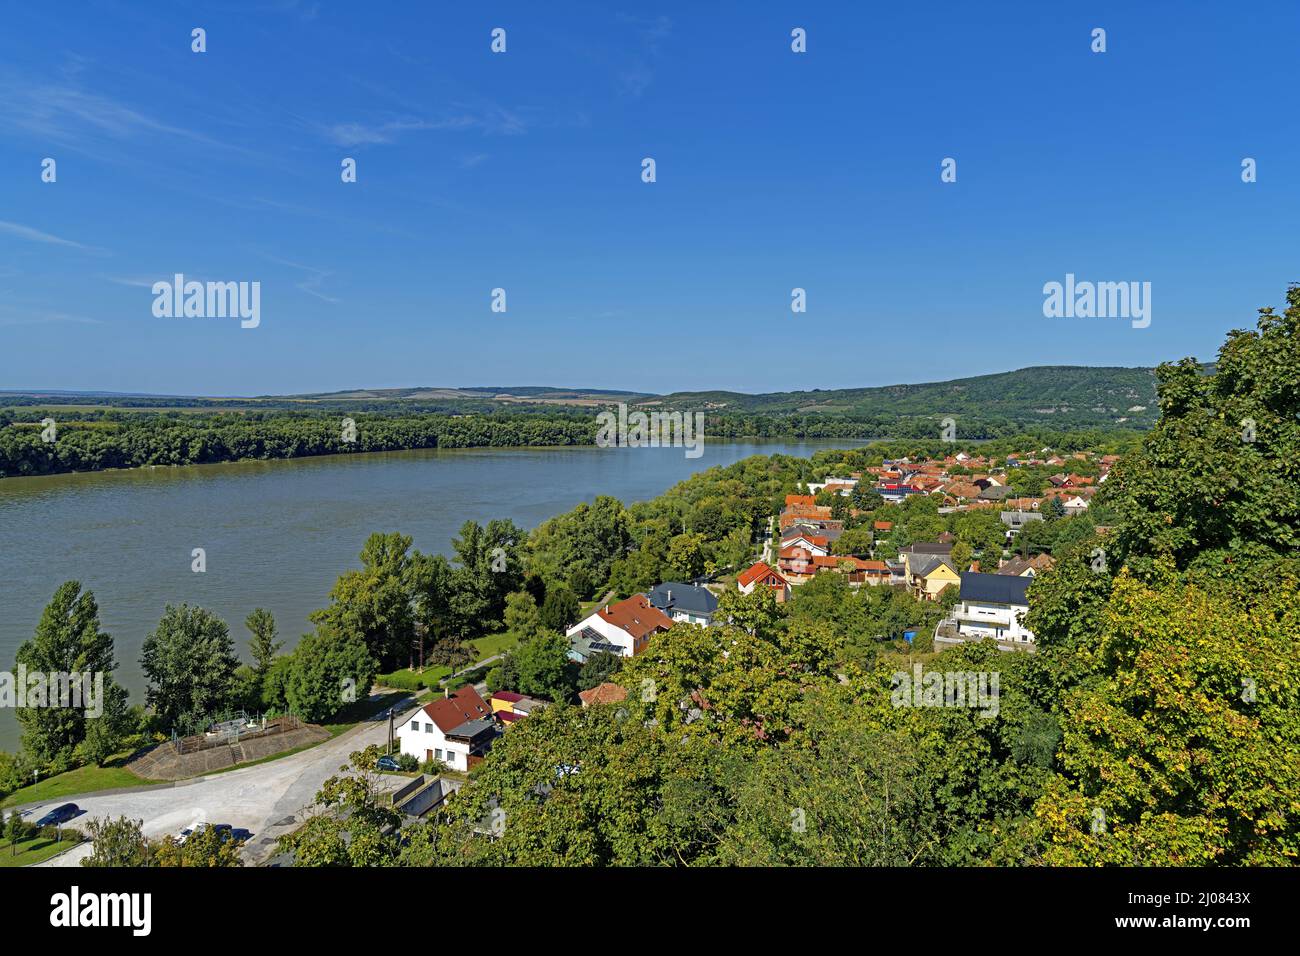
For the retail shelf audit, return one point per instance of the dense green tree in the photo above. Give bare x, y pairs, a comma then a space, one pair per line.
351, 823
522, 618
544, 669
597, 669
685, 557
378, 602
263, 645
560, 609
189, 661
205, 847
330, 670
116, 843
68, 641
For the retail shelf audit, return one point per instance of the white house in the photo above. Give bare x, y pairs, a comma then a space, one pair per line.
452, 730
623, 628
1074, 505
684, 603
989, 605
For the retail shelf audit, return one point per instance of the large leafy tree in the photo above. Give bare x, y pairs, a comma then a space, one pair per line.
329, 669
189, 661
378, 602
262, 645
1215, 484
351, 824
69, 640
559, 609
116, 843
1186, 751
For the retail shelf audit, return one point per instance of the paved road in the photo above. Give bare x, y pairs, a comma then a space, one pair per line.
267, 799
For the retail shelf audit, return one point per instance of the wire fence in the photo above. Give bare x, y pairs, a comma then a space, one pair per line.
231, 728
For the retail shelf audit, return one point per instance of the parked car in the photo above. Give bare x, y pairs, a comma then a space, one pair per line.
60, 814
387, 762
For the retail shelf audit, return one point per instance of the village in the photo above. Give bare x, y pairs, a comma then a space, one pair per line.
830, 528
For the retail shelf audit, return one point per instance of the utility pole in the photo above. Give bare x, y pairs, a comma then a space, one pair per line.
390, 730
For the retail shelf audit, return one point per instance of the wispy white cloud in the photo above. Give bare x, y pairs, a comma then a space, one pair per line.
64, 111
635, 77
491, 121
313, 281
10, 316
35, 235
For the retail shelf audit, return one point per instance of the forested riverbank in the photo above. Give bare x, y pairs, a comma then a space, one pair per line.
51, 440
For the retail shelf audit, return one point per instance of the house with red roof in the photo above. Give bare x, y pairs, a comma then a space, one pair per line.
456, 730
624, 628
605, 693
761, 575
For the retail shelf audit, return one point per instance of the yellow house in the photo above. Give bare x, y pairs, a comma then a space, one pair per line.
504, 700
929, 574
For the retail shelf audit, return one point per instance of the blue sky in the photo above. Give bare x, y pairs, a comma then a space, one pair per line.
522, 171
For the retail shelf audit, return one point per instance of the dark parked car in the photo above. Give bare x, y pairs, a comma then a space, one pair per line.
60, 814
225, 832
387, 762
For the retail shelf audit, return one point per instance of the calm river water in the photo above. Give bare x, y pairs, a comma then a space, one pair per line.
278, 533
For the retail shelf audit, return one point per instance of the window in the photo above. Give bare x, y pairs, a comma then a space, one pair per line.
437, 755
415, 725
428, 728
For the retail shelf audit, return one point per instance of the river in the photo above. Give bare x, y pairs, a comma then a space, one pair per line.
277, 534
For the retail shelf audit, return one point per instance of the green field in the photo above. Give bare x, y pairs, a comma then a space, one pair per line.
35, 849
81, 780
493, 644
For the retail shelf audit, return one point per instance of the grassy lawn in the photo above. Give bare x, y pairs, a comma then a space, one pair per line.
405, 678
81, 780
492, 644
35, 849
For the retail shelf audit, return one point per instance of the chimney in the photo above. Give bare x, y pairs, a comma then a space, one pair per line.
670, 595
446, 692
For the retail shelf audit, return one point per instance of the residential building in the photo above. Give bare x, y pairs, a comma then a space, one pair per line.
991, 605
1027, 567
929, 574
457, 730
1016, 520
685, 603
623, 628
605, 693
761, 575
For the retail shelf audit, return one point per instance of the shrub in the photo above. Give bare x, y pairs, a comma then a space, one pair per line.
403, 680
407, 762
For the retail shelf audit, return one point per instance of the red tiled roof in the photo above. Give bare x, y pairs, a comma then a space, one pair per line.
461, 707
754, 573
637, 616
606, 693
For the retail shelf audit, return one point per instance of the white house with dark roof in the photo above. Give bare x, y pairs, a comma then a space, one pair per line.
684, 603
989, 605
